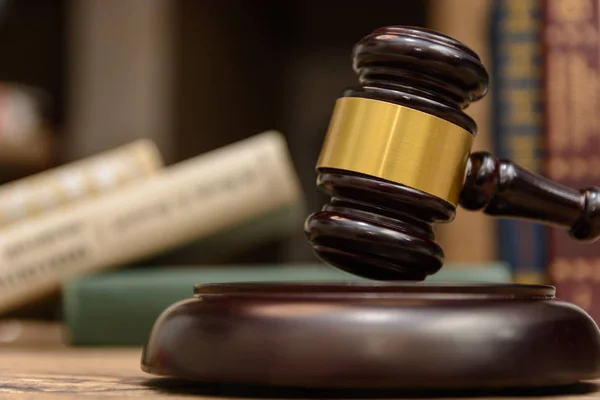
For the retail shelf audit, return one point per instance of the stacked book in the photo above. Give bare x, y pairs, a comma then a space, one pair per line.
113, 209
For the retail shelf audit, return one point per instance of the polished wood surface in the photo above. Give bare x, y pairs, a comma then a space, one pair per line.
379, 229
375, 335
502, 188
109, 373
421, 69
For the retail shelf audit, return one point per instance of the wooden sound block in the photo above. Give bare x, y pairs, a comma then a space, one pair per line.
375, 335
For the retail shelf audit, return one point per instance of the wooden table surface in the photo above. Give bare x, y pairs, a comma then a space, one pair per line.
78, 373
43, 373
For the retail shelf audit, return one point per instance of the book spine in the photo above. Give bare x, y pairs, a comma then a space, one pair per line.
93, 176
188, 201
572, 71
469, 24
517, 123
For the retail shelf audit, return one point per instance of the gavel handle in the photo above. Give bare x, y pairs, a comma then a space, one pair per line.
504, 189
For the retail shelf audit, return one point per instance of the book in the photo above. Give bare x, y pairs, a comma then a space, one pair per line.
237, 240
470, 25
516, 79
119, 308
572, 71
68, 184
188, 201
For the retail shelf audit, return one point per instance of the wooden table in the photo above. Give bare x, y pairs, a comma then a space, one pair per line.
76, 373
44, 373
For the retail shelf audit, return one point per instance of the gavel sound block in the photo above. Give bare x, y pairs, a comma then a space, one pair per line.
396, 159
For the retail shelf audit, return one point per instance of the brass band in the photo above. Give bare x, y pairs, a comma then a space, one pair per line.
398, 144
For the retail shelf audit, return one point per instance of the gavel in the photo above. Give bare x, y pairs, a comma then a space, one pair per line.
397, 159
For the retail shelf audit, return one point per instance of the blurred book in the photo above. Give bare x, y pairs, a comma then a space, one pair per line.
58, 188
571, 42
119, 308
31, 334
518, 123
470, 25
249, 186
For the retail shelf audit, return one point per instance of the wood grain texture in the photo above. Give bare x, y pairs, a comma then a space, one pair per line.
74, 373
78, 373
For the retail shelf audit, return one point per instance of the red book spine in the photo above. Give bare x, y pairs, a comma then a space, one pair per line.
571, 43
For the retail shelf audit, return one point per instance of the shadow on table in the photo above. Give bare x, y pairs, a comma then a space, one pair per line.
182, 387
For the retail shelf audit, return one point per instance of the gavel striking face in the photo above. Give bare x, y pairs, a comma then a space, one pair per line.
397, 158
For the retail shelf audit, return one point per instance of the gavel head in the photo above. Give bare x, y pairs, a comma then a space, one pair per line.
395, 155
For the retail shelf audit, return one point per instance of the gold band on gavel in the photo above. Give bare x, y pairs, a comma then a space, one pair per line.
398, 144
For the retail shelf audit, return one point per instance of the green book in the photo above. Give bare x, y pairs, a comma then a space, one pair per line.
119, 307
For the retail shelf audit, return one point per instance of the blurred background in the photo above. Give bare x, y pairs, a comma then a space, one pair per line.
87, 77
197, 75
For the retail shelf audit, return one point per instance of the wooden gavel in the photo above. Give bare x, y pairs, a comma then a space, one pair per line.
397, 158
